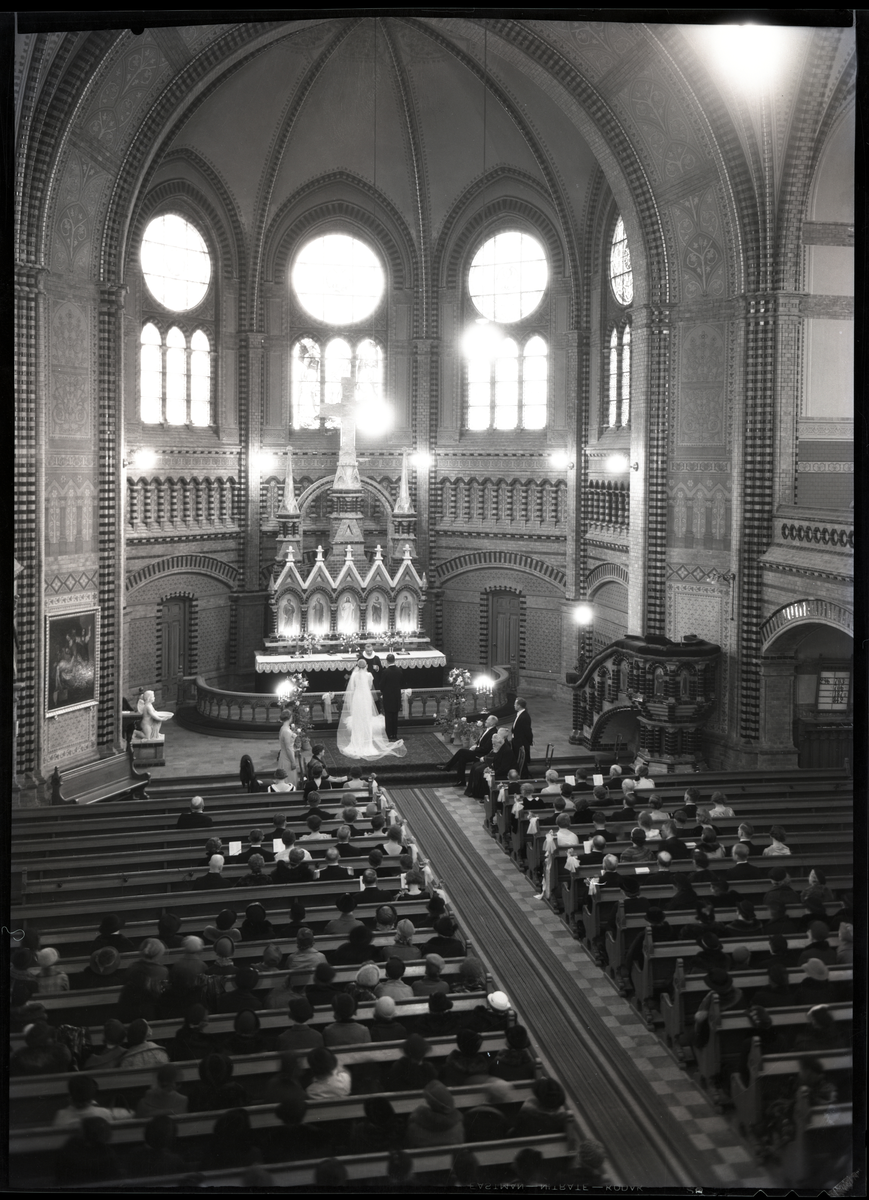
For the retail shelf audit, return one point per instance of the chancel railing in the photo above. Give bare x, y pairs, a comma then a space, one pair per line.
264, 708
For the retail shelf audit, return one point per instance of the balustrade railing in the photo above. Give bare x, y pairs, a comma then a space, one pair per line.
264, 708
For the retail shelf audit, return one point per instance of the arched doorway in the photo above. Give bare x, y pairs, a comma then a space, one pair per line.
807, 694
175, 626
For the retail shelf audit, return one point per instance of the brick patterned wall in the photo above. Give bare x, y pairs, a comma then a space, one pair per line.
208, 641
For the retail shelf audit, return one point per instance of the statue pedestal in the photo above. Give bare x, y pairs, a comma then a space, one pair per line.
148, 752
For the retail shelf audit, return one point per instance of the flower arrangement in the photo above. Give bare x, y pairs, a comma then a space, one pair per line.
397, 640
453, 719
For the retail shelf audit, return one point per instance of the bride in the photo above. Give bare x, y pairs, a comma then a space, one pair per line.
361, 729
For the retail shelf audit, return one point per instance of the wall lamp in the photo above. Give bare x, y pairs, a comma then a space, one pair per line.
583, 614
561, 461
141, 459
728, 577
616, 463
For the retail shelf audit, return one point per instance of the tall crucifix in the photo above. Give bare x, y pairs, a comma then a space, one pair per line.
347, 472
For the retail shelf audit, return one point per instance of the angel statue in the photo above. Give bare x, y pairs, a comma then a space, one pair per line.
152, 720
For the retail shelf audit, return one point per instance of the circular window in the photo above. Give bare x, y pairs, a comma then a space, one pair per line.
338, 279
508, 276
175, 262
621, 276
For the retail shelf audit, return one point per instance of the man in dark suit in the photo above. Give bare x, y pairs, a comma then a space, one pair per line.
194, 818
479, 750
389, 682
523, 738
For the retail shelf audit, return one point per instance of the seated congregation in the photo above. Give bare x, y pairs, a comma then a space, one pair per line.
286, 1005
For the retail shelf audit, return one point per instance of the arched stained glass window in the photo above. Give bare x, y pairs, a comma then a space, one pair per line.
338, 279
175, 262
317, 373
621, 276
200, 379
508, 276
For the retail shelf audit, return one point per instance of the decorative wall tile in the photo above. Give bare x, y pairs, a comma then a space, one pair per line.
69, 736
697, 223
79, 196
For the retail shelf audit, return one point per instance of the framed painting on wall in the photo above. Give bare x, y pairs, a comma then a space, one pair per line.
72, 661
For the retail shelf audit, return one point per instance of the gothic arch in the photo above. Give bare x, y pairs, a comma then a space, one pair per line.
804, 612
330, 199
605, 573
502, 558
182, 196
315, 490
200, 564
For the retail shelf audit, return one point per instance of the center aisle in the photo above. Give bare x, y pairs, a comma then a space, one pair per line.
657, 1126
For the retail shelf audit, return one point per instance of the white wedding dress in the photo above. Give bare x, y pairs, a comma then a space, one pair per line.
361, 729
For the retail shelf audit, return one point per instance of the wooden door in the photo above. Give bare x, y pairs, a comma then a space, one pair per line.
504, 617
175, 623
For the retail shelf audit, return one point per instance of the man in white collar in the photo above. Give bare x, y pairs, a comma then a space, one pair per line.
371, 659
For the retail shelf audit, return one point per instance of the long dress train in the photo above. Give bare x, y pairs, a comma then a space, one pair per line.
361, 729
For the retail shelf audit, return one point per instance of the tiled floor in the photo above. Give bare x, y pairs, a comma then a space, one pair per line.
729, 1162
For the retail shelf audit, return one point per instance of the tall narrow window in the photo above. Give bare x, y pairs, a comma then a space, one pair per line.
174, 377
151, 375
535, 381
200, 379
506, 377
625, 414
621, 275
612, 420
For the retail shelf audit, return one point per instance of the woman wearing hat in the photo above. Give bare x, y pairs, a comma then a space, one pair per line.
51, 978
110, 934
101, 971
144, 983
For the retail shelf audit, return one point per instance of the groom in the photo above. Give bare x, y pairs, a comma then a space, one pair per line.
389, 682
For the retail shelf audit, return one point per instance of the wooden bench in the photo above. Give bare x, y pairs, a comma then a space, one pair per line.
628, 926
84, 1006
232, 797
679, 1010
107, 779
728, 1030
820, 1155
36, 1099
163, 1029
371, 1169
772, 1075
661, 959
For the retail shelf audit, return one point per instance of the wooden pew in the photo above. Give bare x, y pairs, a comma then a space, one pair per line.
772, 1075
233, 798
660, 962
103, 780
362, 1168
628, 926
35, 1099
98, 1004
820, 1154
222, 1023
728, 1030
679, 1010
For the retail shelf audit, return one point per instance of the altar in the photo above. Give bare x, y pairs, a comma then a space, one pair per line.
328, 672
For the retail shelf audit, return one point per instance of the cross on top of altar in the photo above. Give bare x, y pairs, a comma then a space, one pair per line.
347, 471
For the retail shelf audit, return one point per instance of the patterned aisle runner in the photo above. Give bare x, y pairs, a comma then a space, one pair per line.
658, 1127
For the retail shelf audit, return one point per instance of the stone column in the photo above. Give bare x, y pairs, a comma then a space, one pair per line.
110, 512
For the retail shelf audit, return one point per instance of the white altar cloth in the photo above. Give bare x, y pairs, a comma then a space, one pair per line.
293, 664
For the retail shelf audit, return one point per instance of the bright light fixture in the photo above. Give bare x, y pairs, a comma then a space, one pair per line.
374, 417
144, 459
561, 460
421, 459
583, 614
751, 55
483, 683
481, 340
616, 463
